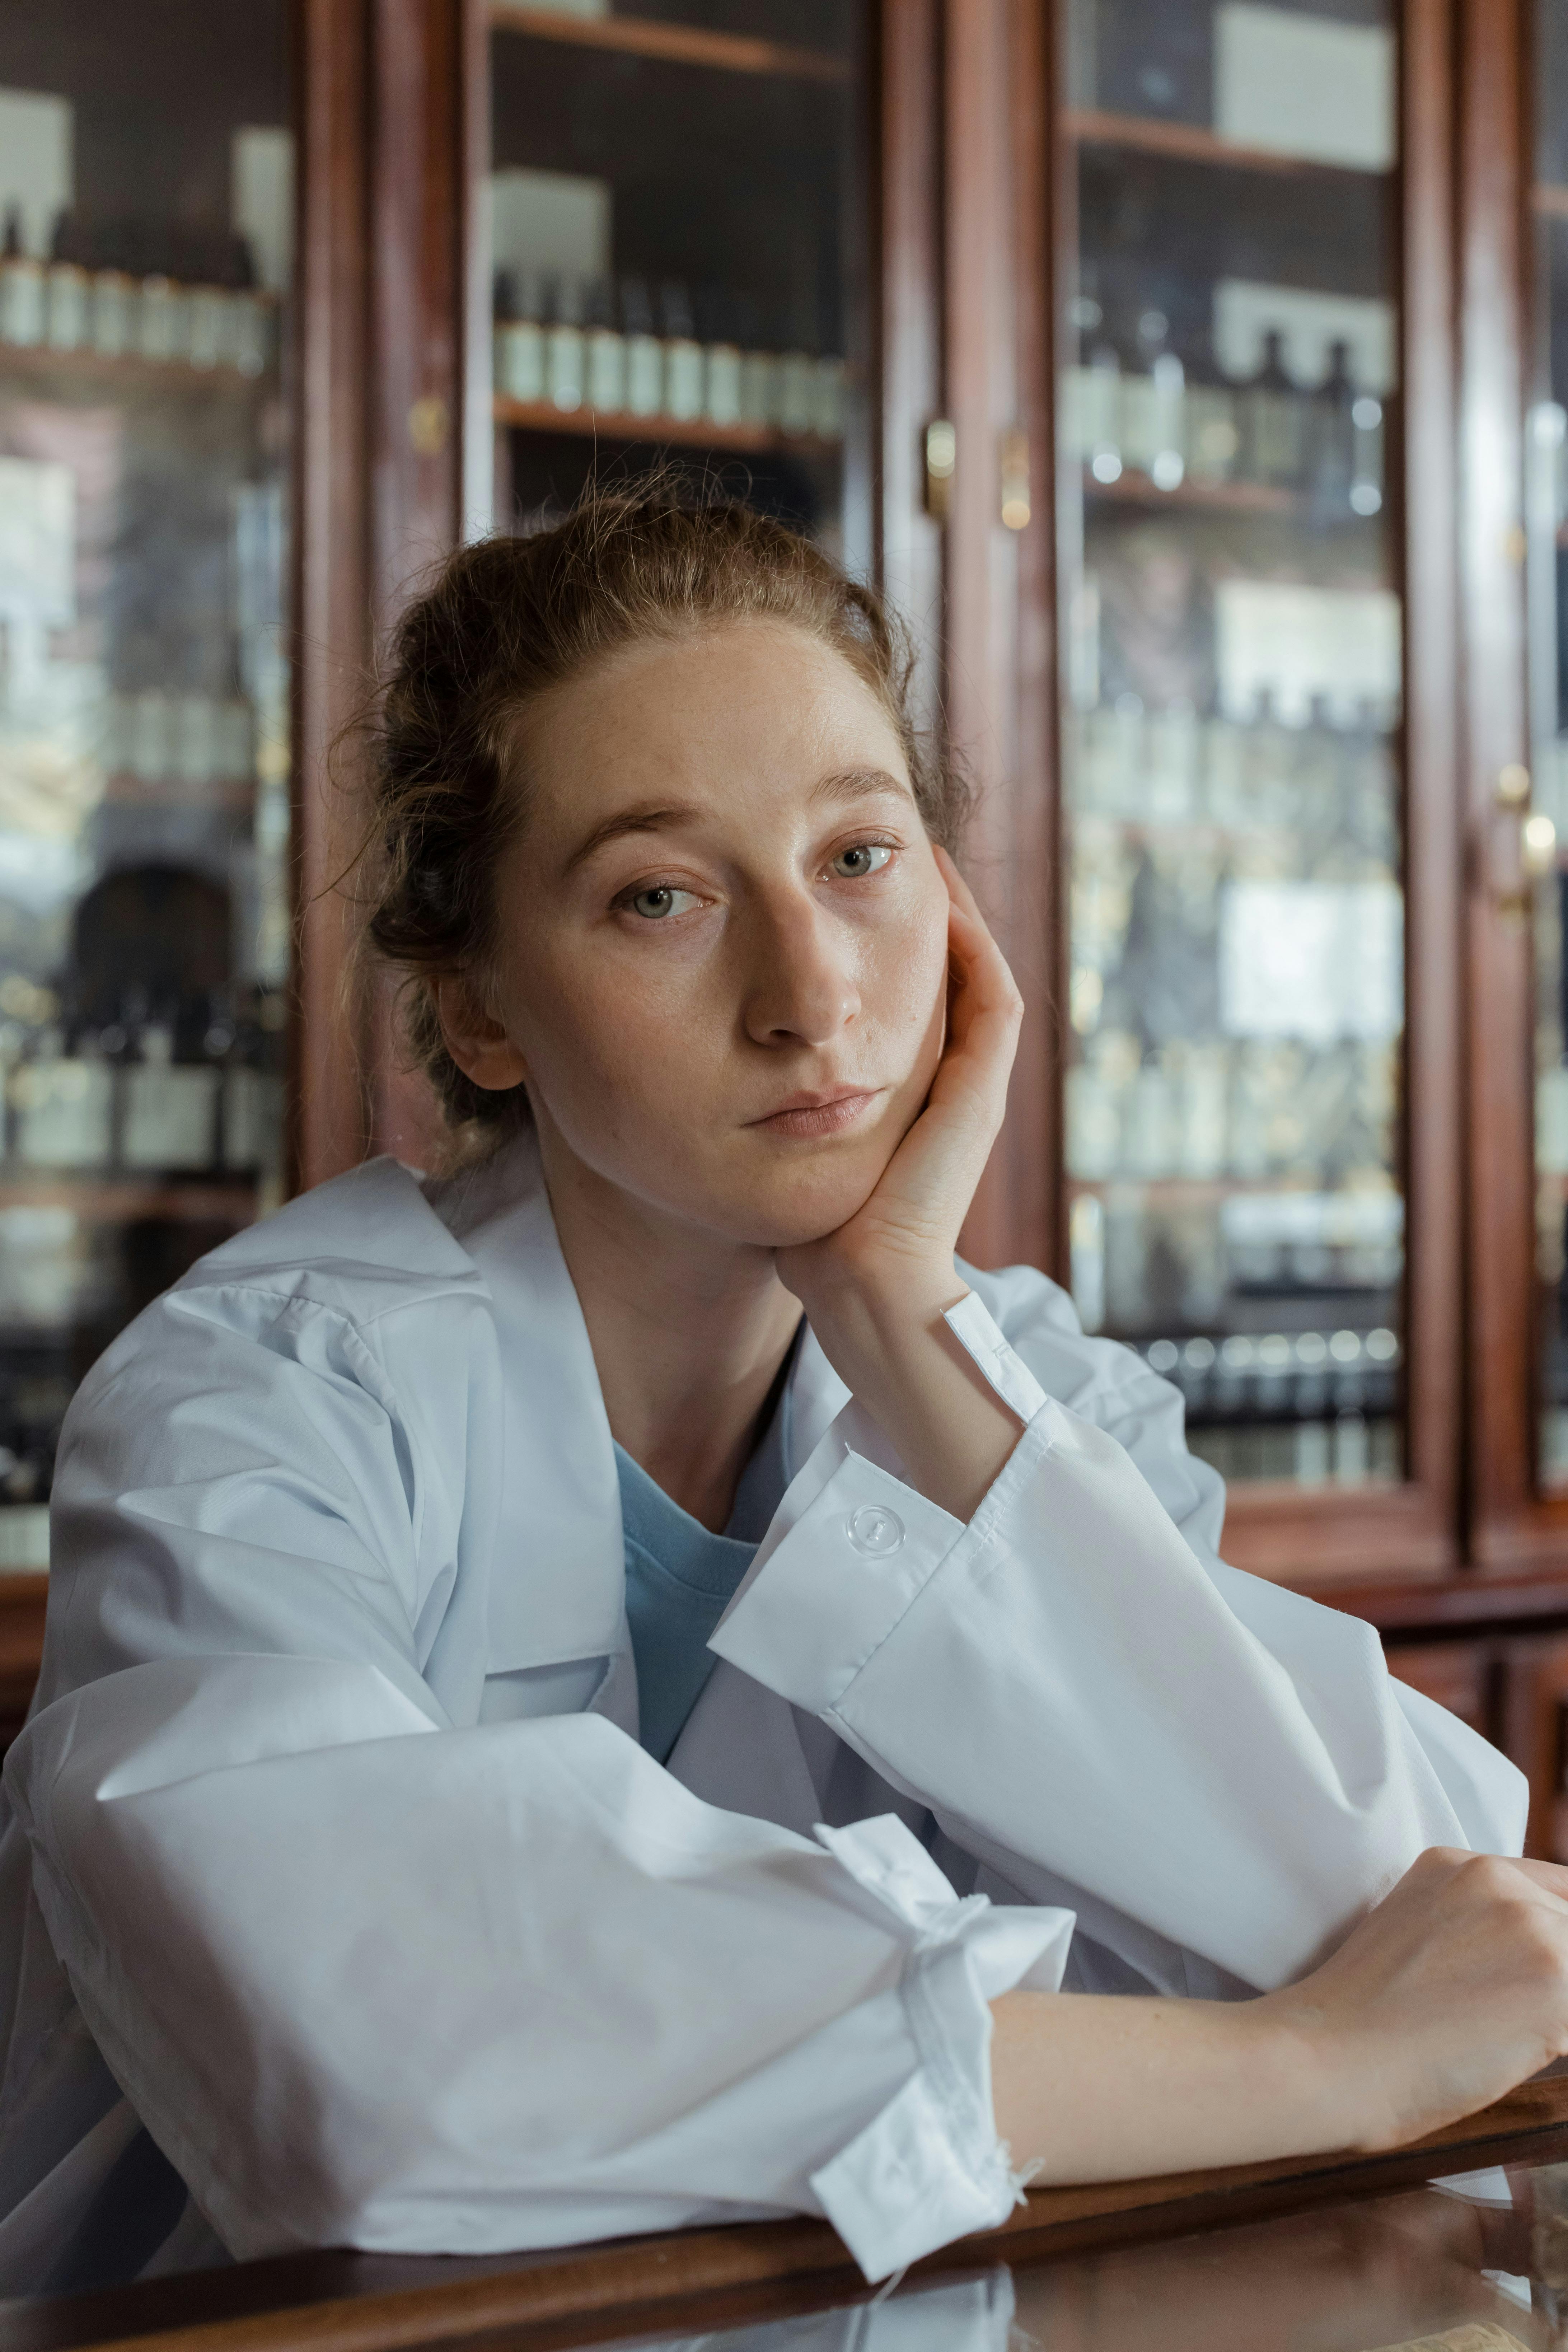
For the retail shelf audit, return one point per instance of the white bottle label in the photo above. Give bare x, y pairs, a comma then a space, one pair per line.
111, 293
169, 1117
65, 1111
520, 360
759, 388
682, 377
65, 308
797, 388
721, 401
644, 375
607, 369
21, 302
564, 367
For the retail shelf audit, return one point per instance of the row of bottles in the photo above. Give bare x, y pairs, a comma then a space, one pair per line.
595, 344
1324, 441
1242, 1109
153, 1092
1171, 767
118, 291
189, 739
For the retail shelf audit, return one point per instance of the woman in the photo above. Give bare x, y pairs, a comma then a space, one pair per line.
529, 1722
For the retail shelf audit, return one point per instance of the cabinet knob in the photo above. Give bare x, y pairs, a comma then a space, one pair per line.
941, 458
428, 423
1015, 478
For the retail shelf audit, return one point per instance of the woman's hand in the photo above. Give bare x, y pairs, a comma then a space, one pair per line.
875, 1289
1454, 1989
1443, 1997
900, 1243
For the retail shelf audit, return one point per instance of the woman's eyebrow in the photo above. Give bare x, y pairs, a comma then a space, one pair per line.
858, 783
652, 816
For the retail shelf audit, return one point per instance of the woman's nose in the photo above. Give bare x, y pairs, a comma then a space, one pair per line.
802, 985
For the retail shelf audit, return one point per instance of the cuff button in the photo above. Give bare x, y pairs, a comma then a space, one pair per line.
875, 1531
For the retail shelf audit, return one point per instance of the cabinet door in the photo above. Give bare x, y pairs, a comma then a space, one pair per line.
1535, 1717
147, 457
1515, 507
1260, 890
677, 229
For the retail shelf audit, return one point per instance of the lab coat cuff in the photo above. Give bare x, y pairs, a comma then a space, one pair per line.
929, 2168
982, 1339
806, 1621
819, 1604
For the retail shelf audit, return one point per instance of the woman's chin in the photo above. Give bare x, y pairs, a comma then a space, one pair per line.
805, 1205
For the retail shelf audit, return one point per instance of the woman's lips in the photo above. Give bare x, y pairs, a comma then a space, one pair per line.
822, 1114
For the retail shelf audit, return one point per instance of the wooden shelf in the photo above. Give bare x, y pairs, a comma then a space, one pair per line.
1130, 489
130, 367
684, 45
1190, 142
120, 1199
681, 432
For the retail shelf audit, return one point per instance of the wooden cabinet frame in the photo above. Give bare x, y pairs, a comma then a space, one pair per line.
973, 219
1323, 1536
1516, 1529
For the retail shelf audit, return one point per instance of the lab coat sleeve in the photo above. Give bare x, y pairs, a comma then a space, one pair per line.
1088, 1700
373, 1980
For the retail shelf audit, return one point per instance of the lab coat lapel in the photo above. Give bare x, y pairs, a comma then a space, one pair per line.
558, 1582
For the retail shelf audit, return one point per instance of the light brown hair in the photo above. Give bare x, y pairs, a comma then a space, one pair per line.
504, 622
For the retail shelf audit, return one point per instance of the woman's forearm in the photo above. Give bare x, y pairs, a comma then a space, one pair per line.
1096, 2087
948, 1426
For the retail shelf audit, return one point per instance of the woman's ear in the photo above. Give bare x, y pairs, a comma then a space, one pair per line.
474, 1038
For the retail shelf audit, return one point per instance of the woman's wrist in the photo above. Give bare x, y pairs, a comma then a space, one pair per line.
887, 1337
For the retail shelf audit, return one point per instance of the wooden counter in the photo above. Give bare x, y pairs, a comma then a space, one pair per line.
698, 2280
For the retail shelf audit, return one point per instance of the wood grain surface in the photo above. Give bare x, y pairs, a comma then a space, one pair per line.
692, 2281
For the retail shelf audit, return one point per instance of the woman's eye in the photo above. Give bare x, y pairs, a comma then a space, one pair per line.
660, 901
866, 857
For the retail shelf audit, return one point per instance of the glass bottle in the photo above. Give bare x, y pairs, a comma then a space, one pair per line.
1273, 440
683, 371
170, 1108
759, 368
604, 351
252, 312
1333, 454
210, 335
113, 297
65, 291
721, 366
564, 354
520, 338
644, 354
21, 287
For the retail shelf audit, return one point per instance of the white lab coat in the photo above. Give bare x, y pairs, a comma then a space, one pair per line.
332, 1858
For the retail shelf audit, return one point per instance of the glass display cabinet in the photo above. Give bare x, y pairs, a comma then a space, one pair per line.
674, 237
146, 204
1232, 756
1238, 773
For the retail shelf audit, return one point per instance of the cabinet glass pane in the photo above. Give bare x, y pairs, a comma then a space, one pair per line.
146, 182
1231, 613
676, 255
1544, 811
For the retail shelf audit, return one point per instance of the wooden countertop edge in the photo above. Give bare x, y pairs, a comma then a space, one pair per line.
641, 2279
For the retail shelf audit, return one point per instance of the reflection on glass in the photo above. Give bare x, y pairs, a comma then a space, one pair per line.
675, 254
1544, 813
143, 691
1233, 662
1478, 2266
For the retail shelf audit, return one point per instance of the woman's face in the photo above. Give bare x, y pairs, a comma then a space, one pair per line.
723, 935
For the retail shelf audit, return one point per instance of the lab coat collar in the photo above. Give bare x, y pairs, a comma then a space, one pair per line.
558, 1578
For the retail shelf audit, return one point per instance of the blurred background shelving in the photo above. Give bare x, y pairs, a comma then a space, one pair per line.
1161, 357
145, 261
